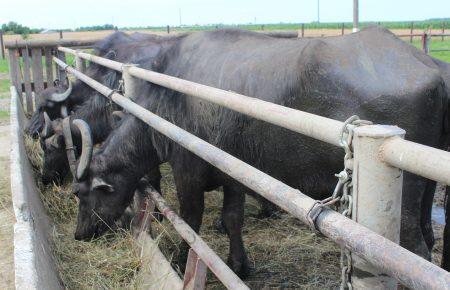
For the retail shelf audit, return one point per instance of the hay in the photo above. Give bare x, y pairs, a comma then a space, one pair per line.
284, 253
106, 263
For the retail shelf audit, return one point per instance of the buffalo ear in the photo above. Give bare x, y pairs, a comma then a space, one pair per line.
100, 184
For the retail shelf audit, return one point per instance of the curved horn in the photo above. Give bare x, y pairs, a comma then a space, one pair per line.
87, 147
64, 112
56, 97
48, 129
118, 114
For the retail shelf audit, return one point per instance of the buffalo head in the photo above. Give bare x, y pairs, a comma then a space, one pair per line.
53, 102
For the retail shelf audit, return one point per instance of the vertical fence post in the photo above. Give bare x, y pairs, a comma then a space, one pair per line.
80, 64
195, 274
443, 30
168, 29
411, 32
27, 79
129, 82
61, 72
377, 196
342, 28
14, 70
426, 43
60, 34
303, 29
2, 47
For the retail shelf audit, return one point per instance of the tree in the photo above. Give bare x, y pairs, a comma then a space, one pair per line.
16, 28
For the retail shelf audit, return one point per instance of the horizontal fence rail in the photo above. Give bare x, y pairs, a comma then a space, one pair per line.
404, 156
408, 268
208, 256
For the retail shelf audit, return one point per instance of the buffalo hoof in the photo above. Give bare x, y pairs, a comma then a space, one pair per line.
220, 226
241, 268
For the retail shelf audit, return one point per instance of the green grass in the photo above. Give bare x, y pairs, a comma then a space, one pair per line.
436, 43
4, 86
4, 66
4, 115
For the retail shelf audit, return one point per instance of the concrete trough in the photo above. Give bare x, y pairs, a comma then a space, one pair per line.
34, 265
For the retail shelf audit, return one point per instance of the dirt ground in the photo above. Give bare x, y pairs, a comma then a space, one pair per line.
6, 211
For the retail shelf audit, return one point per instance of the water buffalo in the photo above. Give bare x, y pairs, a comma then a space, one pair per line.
55, 101
371, 73
85, 103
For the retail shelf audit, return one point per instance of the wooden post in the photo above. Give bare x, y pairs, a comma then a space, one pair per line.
342, 28
38, 73
443, 30
411, 32
2, 47
61, 72
303, 29
195, 274
27, 79
80, 64
425, 43
49, 67
14, 70
262, 27
355, 16
168, 29
60, 34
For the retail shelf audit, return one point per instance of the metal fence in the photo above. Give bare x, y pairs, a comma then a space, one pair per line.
379, 152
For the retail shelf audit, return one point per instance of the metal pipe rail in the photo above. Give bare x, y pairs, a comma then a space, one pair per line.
317, 127
390, 258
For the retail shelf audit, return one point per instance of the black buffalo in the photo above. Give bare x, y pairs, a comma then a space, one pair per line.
85, 103
371, 73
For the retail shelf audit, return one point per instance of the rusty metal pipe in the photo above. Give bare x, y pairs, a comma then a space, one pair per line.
320, 128
390, 258
208, 256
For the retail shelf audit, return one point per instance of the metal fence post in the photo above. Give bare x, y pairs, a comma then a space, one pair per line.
129, 82
80, 64
303, 29
377, 196
411, 32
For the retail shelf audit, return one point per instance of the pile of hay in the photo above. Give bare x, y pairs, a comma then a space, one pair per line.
283, 252
106, 263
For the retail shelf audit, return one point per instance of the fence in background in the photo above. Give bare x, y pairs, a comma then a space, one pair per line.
387, 256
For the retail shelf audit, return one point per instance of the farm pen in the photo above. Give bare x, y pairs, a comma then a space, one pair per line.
389, 257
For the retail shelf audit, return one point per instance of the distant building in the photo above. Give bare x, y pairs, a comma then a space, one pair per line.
47, 31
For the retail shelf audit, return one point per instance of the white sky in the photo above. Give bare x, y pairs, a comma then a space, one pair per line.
65, 14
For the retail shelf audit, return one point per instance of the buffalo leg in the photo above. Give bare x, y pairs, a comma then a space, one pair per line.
191, 199
446, 252
411, 235
427, 206
233, 219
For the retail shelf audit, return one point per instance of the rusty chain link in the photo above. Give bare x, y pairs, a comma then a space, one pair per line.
342, 197
344, 192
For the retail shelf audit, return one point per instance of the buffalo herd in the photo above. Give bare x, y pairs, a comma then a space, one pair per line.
372, 74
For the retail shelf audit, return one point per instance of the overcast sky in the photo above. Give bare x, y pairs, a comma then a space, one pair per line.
65, 14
